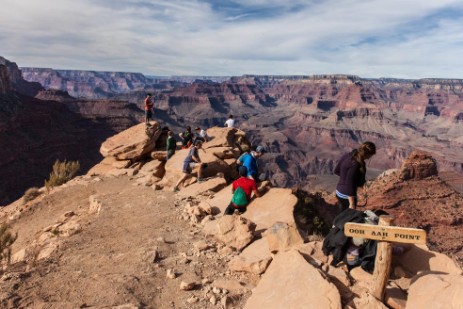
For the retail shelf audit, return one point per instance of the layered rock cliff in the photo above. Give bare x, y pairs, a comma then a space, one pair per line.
35, 132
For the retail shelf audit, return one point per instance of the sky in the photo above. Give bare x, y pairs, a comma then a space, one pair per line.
368, 38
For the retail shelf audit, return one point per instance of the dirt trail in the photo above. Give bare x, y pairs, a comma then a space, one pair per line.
111, 261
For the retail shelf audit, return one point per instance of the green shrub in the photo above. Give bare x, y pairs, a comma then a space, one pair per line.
62, 173
6, 240
31, 194
306, 215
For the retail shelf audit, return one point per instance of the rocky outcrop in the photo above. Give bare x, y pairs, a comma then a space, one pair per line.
418, 165
14, 79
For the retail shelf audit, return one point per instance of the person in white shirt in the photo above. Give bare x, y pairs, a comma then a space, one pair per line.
230, 122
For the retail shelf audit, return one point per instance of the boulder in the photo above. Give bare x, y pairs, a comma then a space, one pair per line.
235, 231
223, 137
282, 236
291, 282
277, 205
133, 143
437, 291
154, 168
420, 258
255, 258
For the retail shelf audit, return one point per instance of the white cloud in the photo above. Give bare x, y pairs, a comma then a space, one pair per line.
370, 38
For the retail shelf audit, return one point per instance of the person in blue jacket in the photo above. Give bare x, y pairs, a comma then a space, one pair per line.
249, 159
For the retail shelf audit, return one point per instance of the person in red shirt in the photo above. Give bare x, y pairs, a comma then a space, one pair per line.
248, 185
148, 108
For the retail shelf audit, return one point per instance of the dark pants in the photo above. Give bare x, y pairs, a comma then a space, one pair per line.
343, 203
231, 209
170, 153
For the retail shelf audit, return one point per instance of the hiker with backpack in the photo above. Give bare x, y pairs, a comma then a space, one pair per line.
242, 189
192, 160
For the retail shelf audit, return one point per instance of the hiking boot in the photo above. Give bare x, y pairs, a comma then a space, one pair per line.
175, 189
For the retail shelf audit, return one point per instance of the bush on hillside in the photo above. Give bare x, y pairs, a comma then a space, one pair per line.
62, 173
6, 240
307, 216
31, 194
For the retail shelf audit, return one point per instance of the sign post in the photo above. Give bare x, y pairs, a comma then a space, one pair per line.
385, 234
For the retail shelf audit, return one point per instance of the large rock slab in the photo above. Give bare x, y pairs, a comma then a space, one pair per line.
437, 291
277, 205
420, 258
254, 259
214, 185
133, 143
221, 200
291, 282
223, 137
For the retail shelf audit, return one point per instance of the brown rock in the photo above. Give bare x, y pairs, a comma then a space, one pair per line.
255, 258
277, 205
132, 143
418, 165
291, 282
235, 231
436, 291
282, 236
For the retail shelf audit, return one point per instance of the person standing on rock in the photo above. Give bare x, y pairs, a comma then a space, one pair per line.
351, 169
230, 123
171, 145
248, 186
192, 160
148, 108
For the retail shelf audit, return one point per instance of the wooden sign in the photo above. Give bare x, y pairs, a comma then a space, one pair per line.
385, 233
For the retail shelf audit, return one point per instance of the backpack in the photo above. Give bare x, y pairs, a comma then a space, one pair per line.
239, 197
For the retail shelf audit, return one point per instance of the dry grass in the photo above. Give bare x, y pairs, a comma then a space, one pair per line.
31, 194
62, 173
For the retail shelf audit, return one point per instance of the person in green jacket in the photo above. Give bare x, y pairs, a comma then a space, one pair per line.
171, 145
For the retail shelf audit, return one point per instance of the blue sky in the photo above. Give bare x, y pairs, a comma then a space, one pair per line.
369, 38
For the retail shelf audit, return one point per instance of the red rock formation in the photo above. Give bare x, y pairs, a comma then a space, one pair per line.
419, 165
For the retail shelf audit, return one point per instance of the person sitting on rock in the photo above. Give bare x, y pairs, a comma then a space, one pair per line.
250, 161
187, 138
248, 186
230, 123
201, 134
192, 160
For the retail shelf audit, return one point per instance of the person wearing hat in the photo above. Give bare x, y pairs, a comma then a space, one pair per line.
248, 186
249, 160
148, 108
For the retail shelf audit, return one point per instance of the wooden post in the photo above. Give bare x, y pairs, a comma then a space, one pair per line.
382, 262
